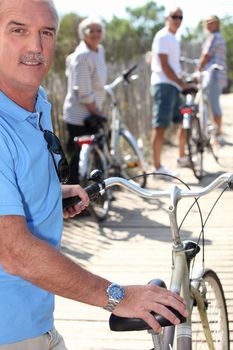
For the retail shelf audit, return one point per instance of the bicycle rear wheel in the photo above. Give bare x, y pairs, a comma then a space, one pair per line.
215, 303
195, 147
131, 165
99, 209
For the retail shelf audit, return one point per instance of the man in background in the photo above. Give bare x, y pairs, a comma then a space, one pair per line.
166, 84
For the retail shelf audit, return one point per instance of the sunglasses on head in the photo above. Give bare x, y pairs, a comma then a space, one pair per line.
176, 17
54, 147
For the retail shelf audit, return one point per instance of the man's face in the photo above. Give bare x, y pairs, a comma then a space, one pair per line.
211, 26
174, 20
27, 43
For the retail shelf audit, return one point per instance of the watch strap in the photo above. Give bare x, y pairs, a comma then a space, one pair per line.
111, 305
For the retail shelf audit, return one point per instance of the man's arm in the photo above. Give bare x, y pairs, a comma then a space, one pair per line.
83, 85
203, 60
169, 71
36, 261
92, 108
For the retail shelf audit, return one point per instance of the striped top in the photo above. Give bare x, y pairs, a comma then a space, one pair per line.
86, 72
215, 46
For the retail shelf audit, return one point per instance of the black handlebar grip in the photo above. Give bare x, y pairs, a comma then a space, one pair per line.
70, 201
127, 74
92, 190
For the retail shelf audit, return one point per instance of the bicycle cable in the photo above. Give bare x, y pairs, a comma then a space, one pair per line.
203, 223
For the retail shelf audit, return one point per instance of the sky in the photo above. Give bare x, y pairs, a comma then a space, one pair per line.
193, 10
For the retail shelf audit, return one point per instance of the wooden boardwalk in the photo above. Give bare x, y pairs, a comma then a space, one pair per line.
134, 245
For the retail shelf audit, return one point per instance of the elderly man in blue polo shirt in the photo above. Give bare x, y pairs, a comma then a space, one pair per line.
32, 269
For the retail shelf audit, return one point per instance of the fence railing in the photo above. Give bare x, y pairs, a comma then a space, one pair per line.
135, 102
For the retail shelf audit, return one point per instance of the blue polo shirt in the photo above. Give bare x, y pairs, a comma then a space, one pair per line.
29, 187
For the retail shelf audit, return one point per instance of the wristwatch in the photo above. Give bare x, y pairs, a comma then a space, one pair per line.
115, 294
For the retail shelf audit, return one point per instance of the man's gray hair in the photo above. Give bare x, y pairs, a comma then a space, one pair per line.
171, 10
52, 7
54, 10
86, 23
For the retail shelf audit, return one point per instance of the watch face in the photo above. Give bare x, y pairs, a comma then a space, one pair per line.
116, 292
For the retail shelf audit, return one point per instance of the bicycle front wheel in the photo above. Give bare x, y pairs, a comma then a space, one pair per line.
215, 304
100, 208
195, 147
131, 165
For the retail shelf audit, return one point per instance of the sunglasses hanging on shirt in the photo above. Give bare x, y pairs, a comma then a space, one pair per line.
54, 147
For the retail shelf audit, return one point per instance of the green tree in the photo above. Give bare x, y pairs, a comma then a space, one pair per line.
227, 31
67, 39
147, 20
132, 37
120, 40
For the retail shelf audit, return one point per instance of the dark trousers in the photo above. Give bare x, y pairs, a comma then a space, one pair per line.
73, 149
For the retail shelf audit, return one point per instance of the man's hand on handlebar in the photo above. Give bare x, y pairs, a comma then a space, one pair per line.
71, 191
141, 300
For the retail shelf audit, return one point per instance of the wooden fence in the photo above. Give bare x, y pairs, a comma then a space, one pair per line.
134, 99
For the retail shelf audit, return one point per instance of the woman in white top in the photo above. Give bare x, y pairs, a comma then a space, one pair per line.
86, 72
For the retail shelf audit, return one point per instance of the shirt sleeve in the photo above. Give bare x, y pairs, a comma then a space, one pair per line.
10, 197
161, 46
82, 79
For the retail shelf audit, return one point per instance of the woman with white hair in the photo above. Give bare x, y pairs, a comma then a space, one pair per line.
87, 74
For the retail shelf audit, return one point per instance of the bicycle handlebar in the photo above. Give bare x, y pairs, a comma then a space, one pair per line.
127, 73
124, 76
96, 189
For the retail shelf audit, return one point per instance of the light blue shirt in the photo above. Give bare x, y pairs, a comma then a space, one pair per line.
29, 187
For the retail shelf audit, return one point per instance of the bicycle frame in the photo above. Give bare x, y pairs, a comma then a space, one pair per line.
87, 144
202, 99
116, 126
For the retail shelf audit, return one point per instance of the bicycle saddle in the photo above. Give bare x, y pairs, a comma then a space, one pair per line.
123, 324
191, 90
94, 121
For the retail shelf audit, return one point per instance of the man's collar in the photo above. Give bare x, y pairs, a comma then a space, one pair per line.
8, 106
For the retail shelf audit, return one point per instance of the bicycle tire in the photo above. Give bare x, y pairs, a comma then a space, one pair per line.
131, 165
99, 208
215, 302
195, 147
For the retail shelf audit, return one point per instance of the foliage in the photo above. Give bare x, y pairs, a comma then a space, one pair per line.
67, 39
135, 34
130, 38
227, 31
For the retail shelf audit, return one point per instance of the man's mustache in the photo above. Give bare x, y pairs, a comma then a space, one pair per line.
36, 58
